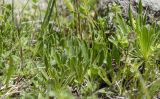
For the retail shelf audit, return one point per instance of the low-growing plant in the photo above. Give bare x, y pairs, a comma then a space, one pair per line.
76, 53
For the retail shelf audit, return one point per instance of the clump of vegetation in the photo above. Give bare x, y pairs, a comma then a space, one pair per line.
77, 53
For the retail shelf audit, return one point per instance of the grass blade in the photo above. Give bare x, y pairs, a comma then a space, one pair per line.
48, 13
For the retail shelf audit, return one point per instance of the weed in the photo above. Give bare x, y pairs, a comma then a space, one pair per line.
76, 53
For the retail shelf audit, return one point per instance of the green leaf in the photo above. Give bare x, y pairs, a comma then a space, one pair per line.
116, 54
11, 70
44, 74
109, 61
46, 61
154, 87
140, 7
69, 5
103, 75
34, 1
122, 25
101, 58
85, 51
48, 14
57, 58
140, 18
130, 16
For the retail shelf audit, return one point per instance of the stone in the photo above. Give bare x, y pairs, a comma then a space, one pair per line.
152, 7
153, 4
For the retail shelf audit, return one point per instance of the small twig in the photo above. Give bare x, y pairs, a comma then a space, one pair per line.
153, 83
107, 95
9, 94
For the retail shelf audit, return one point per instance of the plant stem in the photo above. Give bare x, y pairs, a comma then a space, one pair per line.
78, 19
13, 11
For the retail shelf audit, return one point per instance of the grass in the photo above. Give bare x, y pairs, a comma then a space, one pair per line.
76, 53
